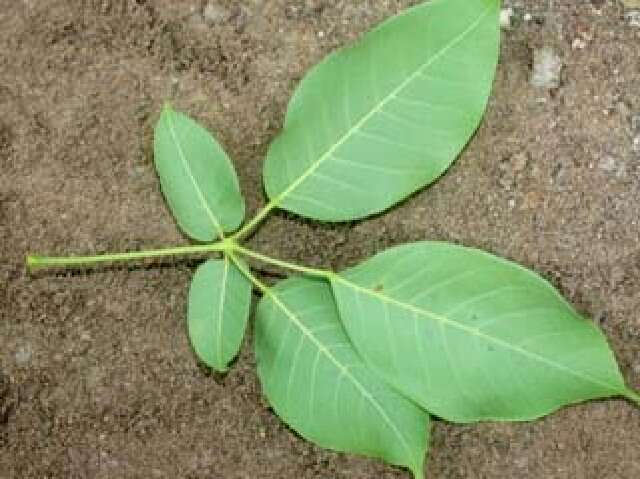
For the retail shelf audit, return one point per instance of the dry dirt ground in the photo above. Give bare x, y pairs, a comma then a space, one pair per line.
97, 379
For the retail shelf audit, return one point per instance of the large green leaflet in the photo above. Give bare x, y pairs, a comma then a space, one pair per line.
197, 178
318, 385
219, 303
378, 121
471, 337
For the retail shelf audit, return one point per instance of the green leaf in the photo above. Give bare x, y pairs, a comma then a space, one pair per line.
470, 336
376, 122
318, 385
197, 178
219, 303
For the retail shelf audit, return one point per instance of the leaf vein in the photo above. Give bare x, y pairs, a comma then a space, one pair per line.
221, 305
469, 330
344, 370
379, 105
187, 167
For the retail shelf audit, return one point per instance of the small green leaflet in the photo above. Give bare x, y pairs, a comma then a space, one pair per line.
219, 303
197, 178
470, 336
318, 384
378, 121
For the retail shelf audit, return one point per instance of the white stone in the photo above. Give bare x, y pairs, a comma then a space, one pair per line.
608, 164
23, 355
506, 18
547, 67
214, 14
578, 44
633, 18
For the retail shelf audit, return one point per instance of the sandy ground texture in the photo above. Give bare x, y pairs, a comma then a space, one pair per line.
97, 379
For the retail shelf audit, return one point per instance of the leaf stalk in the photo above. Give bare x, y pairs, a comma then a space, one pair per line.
263, 288
249, 227
228, 246
283, 264
35, 262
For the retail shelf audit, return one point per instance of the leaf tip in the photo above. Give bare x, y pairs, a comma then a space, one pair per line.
211, 364
632, 396
216, 367
418, 471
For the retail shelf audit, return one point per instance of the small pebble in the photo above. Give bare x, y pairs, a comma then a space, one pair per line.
608, 164
23, 355
633, 18
214, 14
578, 44
635, 129
547, 67
506, 18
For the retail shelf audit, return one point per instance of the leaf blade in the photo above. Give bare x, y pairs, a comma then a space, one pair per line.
320, 387
350, 138
493, 341
218, 310
197, 178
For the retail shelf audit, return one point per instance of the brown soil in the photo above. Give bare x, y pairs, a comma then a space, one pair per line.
97, 379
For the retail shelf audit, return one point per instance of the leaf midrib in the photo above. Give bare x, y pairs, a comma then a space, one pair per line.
378, 107
344, 370
221, 305
443, 320
187, 167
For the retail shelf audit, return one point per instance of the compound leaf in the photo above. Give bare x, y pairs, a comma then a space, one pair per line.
318, 385
219, 303
197, 178
470, 336
376, 122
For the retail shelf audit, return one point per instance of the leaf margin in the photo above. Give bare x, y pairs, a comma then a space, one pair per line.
166, 125
277, 200
225, 349
272, 297
616, 390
